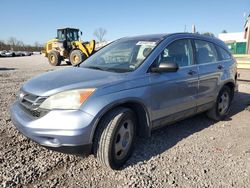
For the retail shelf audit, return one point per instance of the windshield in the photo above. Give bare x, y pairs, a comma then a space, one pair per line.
72, 35
120, 56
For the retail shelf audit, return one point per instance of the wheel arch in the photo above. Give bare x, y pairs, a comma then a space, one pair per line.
137, 107
231, 85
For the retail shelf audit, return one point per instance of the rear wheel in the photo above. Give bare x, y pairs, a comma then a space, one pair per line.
77, 56
54, 58
114, 138
222, 106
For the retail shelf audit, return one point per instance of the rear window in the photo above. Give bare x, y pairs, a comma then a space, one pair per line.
205, 52
224, 55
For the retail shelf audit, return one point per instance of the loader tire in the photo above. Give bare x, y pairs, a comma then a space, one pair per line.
54, 58
77, 56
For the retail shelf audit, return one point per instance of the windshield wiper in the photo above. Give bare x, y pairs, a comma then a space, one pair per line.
94, 67
120, 70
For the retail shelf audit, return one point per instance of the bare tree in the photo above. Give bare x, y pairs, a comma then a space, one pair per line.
37, 45
208, 34
12, 41
2, 45
14, 44
100, 33
21, 45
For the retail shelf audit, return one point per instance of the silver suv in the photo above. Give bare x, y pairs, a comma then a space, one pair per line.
124, 90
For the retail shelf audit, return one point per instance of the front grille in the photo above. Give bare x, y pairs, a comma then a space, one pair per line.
35, 113
30, 104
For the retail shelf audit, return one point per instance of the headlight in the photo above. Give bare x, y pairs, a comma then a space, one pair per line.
71, 99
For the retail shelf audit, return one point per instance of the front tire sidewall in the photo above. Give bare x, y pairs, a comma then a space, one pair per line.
115, 163
104, 141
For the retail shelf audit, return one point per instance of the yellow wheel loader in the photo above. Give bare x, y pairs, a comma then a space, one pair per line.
68, 47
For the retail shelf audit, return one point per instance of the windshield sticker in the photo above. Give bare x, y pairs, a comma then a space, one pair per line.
146, 43
132, 66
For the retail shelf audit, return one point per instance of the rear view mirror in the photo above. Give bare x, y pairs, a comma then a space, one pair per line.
166, 67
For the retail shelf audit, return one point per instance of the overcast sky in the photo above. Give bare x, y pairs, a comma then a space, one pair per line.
37, 20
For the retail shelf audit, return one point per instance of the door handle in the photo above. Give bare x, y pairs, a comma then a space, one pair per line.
191, 72
220, 67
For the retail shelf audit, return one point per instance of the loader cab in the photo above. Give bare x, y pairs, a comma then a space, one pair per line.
68, 34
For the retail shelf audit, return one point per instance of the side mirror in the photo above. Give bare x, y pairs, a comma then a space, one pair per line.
81, 33
166, 67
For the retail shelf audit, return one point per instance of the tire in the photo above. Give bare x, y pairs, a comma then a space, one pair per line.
77, 56
222, 106
54, 58
114, 138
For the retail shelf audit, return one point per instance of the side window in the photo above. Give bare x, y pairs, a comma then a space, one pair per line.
179, 52
224, 55
205, 52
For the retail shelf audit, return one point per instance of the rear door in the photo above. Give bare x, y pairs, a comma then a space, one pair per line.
173, 94
209, 71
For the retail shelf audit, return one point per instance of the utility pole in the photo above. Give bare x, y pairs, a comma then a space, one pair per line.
185, 28
193, 29
247, 34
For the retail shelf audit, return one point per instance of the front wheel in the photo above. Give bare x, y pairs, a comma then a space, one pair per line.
114, 138
77, 56
222, 105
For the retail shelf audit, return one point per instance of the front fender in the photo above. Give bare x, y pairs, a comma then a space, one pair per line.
115, 104
99, 105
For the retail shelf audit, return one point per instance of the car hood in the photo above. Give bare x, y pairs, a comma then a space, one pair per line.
70, 78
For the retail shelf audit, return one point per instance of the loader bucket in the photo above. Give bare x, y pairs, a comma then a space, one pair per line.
90, 46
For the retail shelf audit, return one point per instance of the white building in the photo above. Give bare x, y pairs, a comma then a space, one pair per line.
247, 33
232, 37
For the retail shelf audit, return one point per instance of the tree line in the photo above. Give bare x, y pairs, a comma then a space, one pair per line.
17, 45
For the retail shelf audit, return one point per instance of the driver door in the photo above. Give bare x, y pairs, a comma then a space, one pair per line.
174, 94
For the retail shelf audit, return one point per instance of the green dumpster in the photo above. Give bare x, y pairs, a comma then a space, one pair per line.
237, 47
231, 47
241, 47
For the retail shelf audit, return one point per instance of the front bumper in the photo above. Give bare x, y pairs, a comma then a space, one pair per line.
58, 129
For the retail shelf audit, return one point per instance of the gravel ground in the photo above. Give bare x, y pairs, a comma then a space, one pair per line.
196, 152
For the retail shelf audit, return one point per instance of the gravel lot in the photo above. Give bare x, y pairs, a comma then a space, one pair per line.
196, 152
